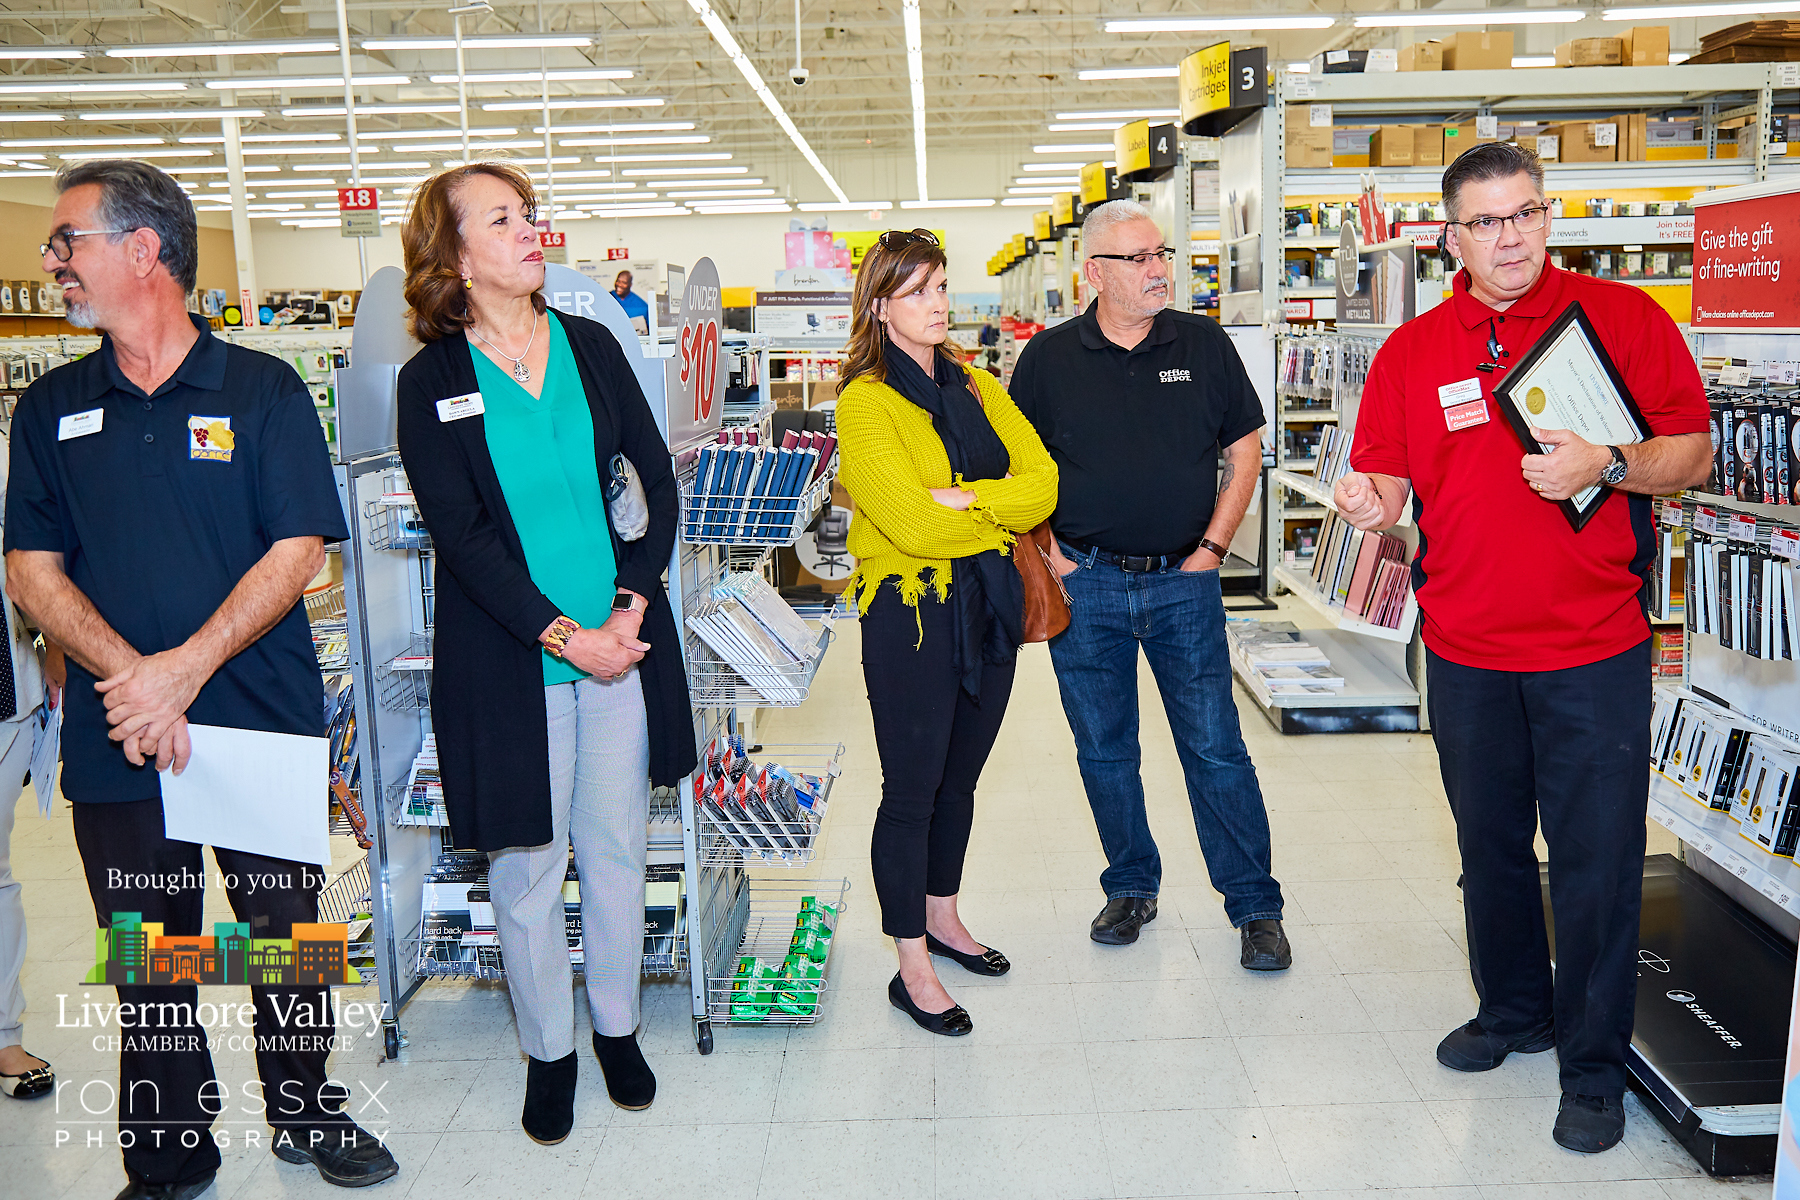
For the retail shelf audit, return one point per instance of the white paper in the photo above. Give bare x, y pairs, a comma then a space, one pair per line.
243, 789
46, 751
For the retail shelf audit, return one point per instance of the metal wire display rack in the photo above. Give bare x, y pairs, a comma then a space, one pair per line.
416, 806
715, 683
759, 923
747, 520
740, 840
403, 683
394, 526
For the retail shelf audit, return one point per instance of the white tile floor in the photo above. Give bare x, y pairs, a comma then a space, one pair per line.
1160, 1069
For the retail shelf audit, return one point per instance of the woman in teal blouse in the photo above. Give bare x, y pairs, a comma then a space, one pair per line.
529, 564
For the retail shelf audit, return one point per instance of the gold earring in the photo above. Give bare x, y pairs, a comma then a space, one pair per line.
467, 282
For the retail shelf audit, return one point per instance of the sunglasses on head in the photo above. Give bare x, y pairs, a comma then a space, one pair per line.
895, 239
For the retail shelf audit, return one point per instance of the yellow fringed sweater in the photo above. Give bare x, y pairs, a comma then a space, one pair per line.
890, 456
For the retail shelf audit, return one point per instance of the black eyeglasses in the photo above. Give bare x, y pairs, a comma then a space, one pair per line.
1167, 254
894, 239
1487, 229
62, 242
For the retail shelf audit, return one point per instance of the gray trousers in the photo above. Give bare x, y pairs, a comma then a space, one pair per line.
600, 804
15, 760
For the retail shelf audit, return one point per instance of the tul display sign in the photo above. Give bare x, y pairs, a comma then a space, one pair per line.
1747, 258
359, 212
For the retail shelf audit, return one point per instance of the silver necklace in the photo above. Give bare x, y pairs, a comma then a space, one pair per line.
520, 371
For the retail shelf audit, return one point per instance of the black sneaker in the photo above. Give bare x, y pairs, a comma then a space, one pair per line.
1589, 1124
1472, 1048
345, 1155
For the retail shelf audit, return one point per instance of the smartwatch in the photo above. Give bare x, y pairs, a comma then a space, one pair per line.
626, 602
1614, 472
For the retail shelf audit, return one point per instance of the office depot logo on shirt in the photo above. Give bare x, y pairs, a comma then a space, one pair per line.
1177, 375
210, 438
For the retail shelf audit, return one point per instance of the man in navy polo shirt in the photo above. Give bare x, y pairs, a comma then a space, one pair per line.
1135, 401
1537, 645
170, 499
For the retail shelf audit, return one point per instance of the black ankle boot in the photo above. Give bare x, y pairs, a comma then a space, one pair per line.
629, 1080
549, 1099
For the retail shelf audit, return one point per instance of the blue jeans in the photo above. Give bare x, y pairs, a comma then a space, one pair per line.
1179, 620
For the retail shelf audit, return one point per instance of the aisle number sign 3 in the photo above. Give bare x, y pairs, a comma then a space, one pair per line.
359, 212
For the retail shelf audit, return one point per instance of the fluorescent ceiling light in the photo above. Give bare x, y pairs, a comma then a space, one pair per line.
535, 76
722, 35
853, 206
1130, 73
697, 183
297, 83
630, 171
370, 110
633, 205
557, 161
309, 194
317, 182
1669, 11
1122, 114
222, 49
216, 170
272, 151
130, 84
556, 102
1534, 60
23, 116
1055, 183
75, 154
1202, 24
678, 139
252, 138
537, 41
591, 194
1299, 68
1054, 166
1083, 126
1075, 148
52, 143
600, 187
133, 116
313, 223
41, 52
1022, 202
721, 156
723, 210
1036, 190
44, 174
485, 131
911, 204
628, 127
450, 141
1442, 18
541, 177
723, 192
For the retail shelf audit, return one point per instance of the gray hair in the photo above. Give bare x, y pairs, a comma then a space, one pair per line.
1490, 160
1105, 216
135, 195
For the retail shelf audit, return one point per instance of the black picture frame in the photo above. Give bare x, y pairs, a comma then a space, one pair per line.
1578, 515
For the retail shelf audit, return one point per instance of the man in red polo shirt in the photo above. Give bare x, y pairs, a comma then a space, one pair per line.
1537, 644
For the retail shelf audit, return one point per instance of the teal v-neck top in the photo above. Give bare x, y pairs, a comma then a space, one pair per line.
543, 452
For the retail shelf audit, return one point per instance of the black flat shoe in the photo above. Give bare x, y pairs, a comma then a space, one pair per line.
629, 1080
191, 1190
344, 1154
38, 1081
1471, 1047
988, 962
1120, 922
952, 1022
1589, 1124
549, 1111
1265, 947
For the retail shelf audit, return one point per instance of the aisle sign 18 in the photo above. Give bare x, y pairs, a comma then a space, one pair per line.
696, 375
359, 212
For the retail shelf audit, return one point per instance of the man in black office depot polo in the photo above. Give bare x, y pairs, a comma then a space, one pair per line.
1133, 402
169, 501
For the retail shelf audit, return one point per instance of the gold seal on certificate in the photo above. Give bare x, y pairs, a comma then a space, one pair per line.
1568, 381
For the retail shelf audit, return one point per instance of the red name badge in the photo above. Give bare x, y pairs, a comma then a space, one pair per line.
1463, 404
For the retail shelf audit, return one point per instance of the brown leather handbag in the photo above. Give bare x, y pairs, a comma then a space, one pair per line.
1046, 599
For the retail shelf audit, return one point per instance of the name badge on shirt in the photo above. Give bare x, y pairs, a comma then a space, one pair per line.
458, 407
1463, 403
80, 424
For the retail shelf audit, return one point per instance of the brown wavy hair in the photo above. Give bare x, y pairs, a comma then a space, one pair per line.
431, 240
882, 274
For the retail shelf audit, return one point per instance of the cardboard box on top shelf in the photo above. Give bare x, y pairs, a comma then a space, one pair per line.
1422, 56
1589, 141
1428, 145
1591, 52
1645, 46
1306, 145
1478, 52
1340, 62
1460, 139
1391, 146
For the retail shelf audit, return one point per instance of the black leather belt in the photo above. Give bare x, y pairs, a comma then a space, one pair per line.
1136, 564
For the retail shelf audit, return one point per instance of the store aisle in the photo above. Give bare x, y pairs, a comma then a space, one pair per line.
1160, 1069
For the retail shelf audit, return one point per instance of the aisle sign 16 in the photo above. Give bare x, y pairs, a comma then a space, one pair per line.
359, 212
695, 377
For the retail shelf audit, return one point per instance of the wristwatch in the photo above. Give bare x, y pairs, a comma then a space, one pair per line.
1217, 549
626, 602
1614, 473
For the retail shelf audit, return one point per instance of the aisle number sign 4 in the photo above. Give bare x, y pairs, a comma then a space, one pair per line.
359, 212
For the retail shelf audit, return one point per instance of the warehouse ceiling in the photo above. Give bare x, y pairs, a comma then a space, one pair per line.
689, 79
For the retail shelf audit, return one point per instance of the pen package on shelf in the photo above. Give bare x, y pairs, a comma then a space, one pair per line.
1741, 591
767, 811
748, 494
1725, 761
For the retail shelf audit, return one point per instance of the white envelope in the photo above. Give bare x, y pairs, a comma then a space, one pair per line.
248, 790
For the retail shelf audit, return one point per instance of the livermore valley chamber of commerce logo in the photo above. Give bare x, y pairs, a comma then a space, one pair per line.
133, 951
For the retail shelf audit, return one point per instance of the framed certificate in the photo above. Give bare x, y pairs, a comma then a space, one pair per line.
1568, 381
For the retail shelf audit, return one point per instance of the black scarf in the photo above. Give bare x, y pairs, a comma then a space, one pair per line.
987, 598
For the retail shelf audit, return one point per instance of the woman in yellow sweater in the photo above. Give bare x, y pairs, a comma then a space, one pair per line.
943, 482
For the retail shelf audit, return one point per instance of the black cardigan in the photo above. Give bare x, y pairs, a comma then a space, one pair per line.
487, 686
